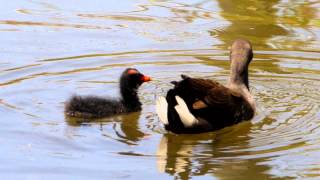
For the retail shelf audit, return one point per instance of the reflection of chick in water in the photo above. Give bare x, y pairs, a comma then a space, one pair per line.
221, 154
129, 128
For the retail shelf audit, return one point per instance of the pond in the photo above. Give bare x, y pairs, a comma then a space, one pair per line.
53, 49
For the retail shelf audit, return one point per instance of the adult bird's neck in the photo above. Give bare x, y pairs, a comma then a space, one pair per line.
239, 81
239, 76
240, 59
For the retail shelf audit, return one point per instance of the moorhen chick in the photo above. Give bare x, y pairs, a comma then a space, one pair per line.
98, 107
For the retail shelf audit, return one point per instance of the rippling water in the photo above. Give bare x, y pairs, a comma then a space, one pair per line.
51, 50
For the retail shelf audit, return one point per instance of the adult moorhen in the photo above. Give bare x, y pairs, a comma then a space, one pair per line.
197, 105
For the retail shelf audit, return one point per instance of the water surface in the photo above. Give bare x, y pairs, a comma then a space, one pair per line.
53, 49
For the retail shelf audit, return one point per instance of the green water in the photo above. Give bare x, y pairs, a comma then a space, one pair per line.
53, 49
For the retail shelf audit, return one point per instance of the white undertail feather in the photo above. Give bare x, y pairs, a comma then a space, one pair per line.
185, 115
162, 109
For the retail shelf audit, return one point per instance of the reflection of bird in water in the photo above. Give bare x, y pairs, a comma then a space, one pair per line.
176, 154
130, 127
222, 154
97, 107
251, 19
128, 133
199, 105
174, 158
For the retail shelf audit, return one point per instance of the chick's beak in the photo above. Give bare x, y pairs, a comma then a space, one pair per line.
145, 78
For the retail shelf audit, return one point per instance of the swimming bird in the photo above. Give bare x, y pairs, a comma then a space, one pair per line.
98, 107
198, 105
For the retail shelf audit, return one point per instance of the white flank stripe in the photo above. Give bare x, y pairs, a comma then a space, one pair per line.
185, 115
162, 109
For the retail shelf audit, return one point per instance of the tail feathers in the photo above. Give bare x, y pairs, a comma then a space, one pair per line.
162, 110
185, 115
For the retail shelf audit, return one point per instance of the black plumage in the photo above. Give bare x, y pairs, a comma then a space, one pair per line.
214, 105
97, 107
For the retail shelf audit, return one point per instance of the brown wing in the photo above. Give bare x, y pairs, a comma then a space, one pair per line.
202, 85
199, 104
221, 96
216, 95
212, 94
230, 101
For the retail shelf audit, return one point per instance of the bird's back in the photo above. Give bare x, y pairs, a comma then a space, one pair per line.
92, 107
215, 105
